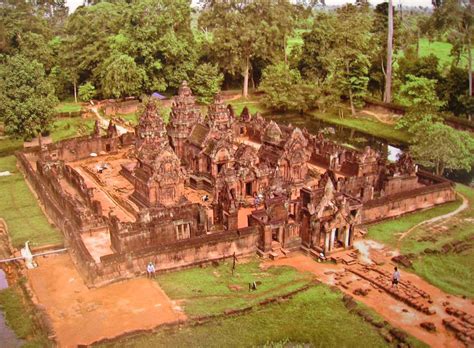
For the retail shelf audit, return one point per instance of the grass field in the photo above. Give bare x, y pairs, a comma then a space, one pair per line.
440, 49
64, 128
252, 103
131, 117
310, 317
68, 106
18, 316
208, 290
366, 125
18, 205
316, 317
450, 271
20, 209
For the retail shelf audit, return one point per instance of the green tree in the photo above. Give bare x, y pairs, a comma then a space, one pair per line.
419, 93
86, 92
453, 89
455, 18
87, 40
411, 64
349, 60
285, 90
317, 46
455, 149
206, 82
121, 77
244, 31
27, 97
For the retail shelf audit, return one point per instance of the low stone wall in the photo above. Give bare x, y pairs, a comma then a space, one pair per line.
409, 201
113, 107
203, 249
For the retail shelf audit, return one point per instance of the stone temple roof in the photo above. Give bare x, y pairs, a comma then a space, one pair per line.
198, 135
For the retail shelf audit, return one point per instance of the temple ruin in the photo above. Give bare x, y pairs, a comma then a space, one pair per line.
207, 187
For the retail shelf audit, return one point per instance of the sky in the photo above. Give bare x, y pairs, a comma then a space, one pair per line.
73, 4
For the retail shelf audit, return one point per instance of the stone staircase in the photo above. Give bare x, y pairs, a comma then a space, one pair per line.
278, 251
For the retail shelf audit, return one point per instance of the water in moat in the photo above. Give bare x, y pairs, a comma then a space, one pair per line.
7, 336
340, 134
359, 140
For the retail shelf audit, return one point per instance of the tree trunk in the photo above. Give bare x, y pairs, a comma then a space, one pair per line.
417, 43
388, 79
353, 110
469, 64
245, 91
75, 90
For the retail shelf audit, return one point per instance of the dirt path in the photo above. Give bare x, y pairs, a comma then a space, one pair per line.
462, 207
81, 315
104, 123
396, 312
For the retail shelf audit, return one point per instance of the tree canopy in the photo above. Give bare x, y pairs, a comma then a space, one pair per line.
27, 99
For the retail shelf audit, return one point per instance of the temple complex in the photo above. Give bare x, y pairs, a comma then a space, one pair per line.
204, 188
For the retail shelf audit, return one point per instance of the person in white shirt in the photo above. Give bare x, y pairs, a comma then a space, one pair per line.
396, 278
150, 269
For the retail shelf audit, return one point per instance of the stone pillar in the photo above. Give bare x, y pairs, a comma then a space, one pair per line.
346, 237
326, 242
333, 234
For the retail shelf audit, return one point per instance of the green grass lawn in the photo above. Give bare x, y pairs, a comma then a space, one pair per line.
252, 102
20, 209
18, 205
207, 290
450, 271
131, 117
68, 106
366, 125
316, 317
440, 49
19, 316
64, 128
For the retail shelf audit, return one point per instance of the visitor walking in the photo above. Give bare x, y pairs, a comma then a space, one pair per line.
396, 278
150, 270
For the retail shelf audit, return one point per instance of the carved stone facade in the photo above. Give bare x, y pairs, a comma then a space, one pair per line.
201, 189
184, 115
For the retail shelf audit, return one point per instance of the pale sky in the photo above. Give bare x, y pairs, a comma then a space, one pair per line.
73, 4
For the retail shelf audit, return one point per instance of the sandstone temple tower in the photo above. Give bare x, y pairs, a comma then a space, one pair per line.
184, 115
159, 178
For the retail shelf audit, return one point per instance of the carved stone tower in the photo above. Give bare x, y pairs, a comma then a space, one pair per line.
184, 115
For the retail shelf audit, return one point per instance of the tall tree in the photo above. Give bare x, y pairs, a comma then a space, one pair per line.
244, 30
456, 151
121, 77
27, 97
349, 59
388, 75
457, 19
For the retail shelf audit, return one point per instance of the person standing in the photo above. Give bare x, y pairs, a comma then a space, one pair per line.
395, 278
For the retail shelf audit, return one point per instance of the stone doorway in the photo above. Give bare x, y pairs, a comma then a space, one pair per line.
248, 189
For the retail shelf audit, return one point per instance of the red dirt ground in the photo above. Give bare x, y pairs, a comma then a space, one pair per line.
397, 313
81, 315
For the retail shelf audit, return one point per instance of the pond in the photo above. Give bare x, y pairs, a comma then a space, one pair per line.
359, 140
7, 336
340, 134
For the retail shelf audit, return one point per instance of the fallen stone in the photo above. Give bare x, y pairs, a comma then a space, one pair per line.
386, 335
349, 302
398, 334
361, 292
403, 260
235, 287
428, 326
